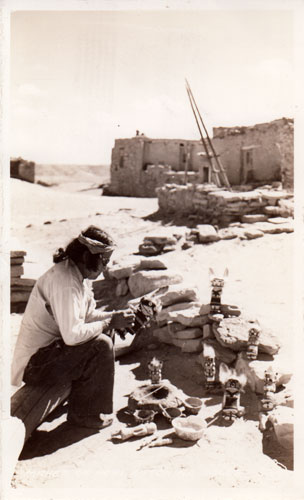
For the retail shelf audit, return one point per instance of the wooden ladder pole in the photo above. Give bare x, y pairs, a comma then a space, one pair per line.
215, 155
203, 139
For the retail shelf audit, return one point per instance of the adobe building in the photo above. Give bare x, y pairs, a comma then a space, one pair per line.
22, 169
250, 155
258, 154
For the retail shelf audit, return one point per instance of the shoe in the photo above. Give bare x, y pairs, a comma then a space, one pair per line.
90, 421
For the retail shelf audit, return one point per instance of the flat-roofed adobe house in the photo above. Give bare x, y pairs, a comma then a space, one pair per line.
258, 154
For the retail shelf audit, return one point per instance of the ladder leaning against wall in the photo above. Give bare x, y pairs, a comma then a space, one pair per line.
217, 168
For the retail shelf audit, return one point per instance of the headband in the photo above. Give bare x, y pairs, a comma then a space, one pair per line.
95, 246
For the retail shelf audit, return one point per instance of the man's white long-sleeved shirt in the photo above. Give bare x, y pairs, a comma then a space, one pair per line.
61, 305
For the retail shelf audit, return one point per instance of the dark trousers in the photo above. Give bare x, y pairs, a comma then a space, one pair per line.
89, 367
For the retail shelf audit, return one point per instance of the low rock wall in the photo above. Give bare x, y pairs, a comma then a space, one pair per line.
217, 205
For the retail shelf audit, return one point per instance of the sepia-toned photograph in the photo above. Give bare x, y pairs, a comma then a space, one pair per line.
152, 225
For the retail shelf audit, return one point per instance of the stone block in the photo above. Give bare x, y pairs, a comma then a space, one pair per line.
189, 333
176, 294
279, 220
207, 233
189, 317
227, 233
160, 240
143, 282
20, 296
17, 253
269, 210
252, 233
117, 272
233, 333
150, 263
271, 228
16, 271
148, 249
175, 327
250, 218
164, 314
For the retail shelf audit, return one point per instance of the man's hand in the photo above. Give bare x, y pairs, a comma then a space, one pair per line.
122, 320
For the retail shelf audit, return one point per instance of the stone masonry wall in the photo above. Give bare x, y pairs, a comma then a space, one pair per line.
126, 165
272, 153
140, 165
216, 205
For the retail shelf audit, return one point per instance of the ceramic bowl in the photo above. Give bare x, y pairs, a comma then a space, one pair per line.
189, 428
142, 416
171, 413
193, 405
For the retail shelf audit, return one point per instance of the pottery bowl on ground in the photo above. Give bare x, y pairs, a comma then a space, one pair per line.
142, 416
171, 413
193, 405
189, 428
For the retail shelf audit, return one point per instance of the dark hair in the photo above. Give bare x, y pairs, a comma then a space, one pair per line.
75, 250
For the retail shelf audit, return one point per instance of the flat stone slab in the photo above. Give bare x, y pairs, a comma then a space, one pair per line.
229, 196
250, 218
227, 233
164, 314
117, 272
252, 233
150, 263
190, 317
233, 333
143, 282
274, 195
207, 233
160, 240
271, 228
178, 293
279, 220
188, 333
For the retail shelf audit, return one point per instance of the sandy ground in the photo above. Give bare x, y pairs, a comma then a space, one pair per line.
229, 462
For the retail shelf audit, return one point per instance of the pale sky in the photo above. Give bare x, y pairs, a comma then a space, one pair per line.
80, 80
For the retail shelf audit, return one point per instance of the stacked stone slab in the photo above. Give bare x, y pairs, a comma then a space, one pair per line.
20, 287
139, 276
220, 206
155, 245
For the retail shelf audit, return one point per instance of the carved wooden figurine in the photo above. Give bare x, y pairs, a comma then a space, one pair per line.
209, 366
233, 384
217, 285
269, 389
155, 370
253, 343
